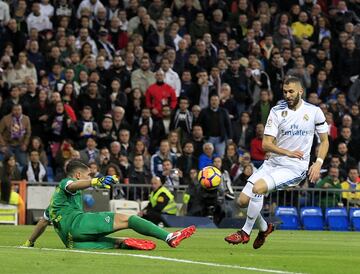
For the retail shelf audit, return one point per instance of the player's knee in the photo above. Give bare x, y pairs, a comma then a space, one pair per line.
243, 200
259, 189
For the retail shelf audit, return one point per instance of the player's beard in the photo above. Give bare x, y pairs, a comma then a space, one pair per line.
293, 103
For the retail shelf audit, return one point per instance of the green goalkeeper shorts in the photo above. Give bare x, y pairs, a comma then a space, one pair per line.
90, 227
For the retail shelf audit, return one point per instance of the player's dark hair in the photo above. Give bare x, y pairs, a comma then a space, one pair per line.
292, 80
74, 165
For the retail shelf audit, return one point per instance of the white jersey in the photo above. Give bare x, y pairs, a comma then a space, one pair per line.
294, 130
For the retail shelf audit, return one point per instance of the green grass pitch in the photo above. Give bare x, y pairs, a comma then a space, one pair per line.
284, 251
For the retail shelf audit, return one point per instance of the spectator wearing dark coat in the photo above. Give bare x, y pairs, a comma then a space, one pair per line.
216, 124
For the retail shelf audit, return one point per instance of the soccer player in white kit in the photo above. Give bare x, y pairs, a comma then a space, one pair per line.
288, 137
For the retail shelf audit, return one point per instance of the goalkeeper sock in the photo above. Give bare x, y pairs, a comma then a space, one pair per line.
254, 208
147, 228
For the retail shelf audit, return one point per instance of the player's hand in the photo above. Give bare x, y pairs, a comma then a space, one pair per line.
28, 244
295, 154
105, 182
314, 172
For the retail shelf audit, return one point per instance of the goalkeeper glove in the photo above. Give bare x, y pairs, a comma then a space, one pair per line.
28, 244
105, 181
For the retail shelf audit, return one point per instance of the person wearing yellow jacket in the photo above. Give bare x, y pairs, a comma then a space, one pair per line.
161, 201
8, 196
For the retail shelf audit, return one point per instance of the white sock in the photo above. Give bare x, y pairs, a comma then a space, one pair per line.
169, 236
261, 224
254, 208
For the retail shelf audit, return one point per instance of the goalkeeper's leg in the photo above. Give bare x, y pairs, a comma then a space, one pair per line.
147, 228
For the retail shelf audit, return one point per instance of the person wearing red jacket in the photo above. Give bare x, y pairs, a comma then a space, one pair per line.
160, 94
256, 151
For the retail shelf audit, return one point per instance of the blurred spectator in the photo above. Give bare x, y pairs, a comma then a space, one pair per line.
352, 182
138, 174
143, 77
256, 151
206, 158
242, 179
9, 196
38, 20
171, 177
34, 171
161, 201
182, 119
227, 102
160, 94
22, 70
230, 157
37, 144
94, 169
158, 158
119, 122
215, 122
243, 131
331, 181
106, 133
171, 77
86, 127
15, 132
126, 145
302, 29
10, 168
187, 161
262, 108
203, 90
90, 153
158, 41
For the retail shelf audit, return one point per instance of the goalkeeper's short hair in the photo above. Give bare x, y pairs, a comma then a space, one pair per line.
74, 165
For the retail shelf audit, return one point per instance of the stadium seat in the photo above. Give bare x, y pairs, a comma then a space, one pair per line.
337, 219
289, 217
355, 218
312, 218
8, 214
124, 206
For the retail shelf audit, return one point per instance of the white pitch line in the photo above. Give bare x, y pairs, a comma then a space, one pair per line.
160, 258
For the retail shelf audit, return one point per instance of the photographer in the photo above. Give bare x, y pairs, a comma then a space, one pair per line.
171, 176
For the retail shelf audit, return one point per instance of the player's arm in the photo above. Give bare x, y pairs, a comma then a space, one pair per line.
105, 182
38, 231
314, 170
268, 145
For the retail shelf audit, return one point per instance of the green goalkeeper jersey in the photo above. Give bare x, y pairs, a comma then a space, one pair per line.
64, 207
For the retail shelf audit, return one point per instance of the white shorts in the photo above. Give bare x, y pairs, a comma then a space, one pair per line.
276, 177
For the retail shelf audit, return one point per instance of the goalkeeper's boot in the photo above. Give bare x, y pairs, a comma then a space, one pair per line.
138, 244
238, 238
260, 239
28, 244
176, 237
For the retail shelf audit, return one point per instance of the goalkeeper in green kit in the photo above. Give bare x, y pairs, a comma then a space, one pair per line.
79, 229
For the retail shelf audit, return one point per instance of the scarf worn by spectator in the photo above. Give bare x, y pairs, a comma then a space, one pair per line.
31, 174
17, 128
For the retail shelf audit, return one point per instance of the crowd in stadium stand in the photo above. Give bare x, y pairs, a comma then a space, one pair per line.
182, 83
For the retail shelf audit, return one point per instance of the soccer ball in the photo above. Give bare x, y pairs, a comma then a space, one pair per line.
209, 177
